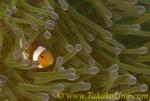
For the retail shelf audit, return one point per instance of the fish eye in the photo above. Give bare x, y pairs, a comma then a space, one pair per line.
42, 56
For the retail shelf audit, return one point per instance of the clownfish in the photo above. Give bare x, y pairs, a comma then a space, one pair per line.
40, 54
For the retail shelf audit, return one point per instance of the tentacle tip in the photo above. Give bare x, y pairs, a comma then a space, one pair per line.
87, 86
93, 70
47, 34
26, 62
143, 87
142, 50
71, 70
70, 48
114, 67
59, 87
59, 60
44, 96
14, 9
72, 76
78, 47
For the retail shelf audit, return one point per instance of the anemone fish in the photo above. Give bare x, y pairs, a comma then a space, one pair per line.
40, 54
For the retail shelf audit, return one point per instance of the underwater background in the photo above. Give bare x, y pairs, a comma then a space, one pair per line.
100, 50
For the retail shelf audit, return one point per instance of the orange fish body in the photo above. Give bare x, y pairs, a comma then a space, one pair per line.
40, 54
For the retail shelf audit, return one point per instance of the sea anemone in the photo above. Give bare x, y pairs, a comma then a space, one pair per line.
98, 46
